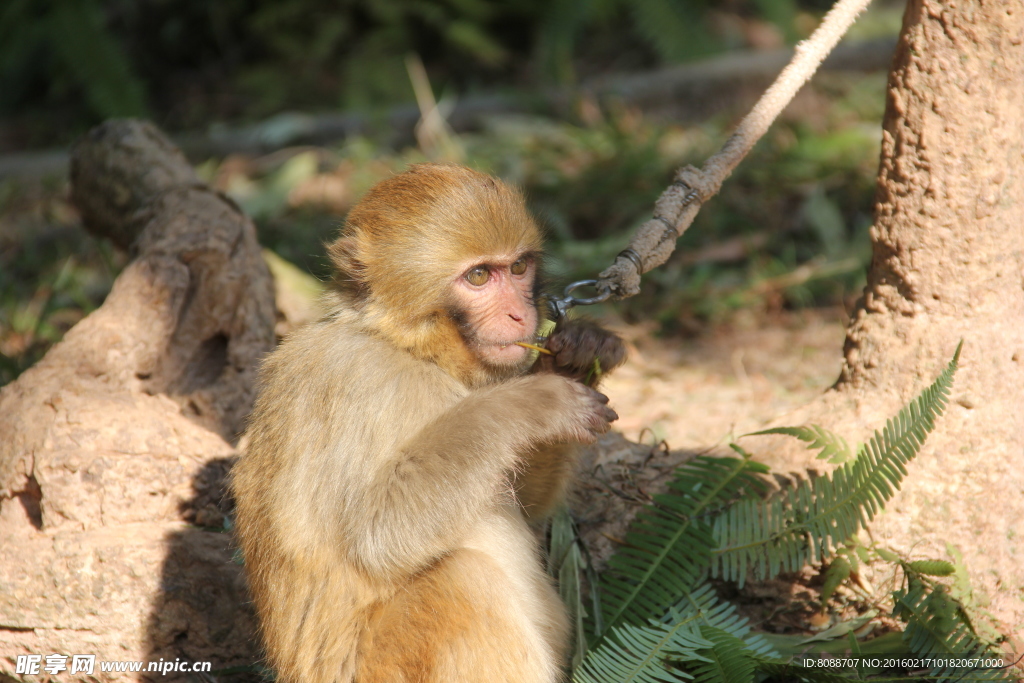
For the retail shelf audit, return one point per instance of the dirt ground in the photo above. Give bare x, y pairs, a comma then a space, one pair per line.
679, 398
700, 393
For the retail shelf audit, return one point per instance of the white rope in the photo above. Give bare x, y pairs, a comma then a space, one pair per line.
678, 205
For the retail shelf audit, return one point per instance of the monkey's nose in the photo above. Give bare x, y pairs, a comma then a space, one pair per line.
515, 317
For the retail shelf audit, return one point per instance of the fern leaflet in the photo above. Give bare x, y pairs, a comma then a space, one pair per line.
637, 654
833, 447
667, 547
566, 564
805, 523
704, 604
728, 660
937, 627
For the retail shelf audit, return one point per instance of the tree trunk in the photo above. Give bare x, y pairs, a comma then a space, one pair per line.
948, 264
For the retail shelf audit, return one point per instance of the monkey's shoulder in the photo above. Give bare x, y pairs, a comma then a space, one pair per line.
336, 362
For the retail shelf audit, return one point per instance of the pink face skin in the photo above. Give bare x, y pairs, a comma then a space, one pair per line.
496, 295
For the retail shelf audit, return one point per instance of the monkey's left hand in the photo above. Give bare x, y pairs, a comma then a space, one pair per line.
575, 345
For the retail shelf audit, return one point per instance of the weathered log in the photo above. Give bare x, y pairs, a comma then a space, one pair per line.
114, 447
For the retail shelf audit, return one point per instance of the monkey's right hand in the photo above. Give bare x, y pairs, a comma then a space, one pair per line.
568, 411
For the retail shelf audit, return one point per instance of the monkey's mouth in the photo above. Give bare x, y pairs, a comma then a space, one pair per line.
502, 352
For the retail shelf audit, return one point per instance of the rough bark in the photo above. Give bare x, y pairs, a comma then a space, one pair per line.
114, 447
948, 264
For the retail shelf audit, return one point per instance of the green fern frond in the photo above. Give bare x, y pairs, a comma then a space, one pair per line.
704, 605
667, 547
833, 447
937, 627
637, 654
728, 660
961, 591
566, 564
805, 523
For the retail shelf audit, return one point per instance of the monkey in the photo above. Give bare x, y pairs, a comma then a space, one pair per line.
400, 446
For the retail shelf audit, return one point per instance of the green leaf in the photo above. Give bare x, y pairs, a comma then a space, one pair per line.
887, 555
833, 447
728, 660
705, 606
667, 546
565, 563
932, 567
637, 654
938, 627
805, 523
981, 621
838, 572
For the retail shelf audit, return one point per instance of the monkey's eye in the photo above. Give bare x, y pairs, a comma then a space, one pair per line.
478, 276
519, 267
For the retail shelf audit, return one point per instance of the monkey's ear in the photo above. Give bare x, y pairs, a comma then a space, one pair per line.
349, 271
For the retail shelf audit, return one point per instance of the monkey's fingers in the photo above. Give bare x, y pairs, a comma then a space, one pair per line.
575, 359
601, 420
602, 416
577, 346
612, 353
593, 394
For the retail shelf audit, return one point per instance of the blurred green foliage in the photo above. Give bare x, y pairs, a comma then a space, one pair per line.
51, 272
51, 50
789, 228
65, 64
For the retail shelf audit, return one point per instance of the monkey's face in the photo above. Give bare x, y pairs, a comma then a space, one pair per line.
494, 304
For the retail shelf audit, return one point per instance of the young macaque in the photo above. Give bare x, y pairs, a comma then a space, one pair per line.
399, 444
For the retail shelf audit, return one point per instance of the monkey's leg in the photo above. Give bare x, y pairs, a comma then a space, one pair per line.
312, 631
543, 483
459, 621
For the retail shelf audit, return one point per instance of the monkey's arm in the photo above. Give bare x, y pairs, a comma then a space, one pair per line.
575, 344
422, 499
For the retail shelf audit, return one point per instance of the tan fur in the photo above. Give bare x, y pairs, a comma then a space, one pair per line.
375, 506
541, 487
405, 235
